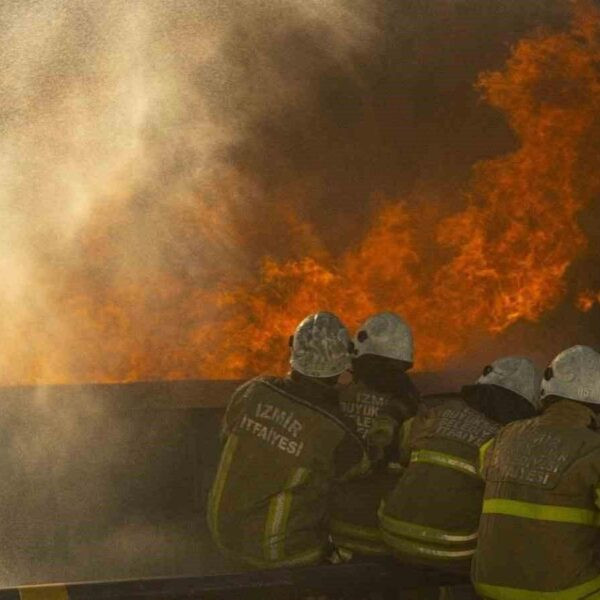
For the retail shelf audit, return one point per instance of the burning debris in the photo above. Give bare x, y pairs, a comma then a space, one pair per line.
586, 300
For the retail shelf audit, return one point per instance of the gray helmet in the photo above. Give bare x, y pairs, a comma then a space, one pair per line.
517, 374
385, 334
574, 374
320, 346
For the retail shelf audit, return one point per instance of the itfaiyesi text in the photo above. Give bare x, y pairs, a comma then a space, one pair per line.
271, 436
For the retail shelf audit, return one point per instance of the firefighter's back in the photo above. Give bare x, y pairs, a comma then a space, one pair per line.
432, 515
354, 523
539, 527
538, 536
381, 391
269, 499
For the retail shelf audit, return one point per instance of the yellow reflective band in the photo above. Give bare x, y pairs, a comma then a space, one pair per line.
277, 517
44, 592
589, 590
394, 467
405, 434
360, 546
482, 452
357, 470
444, 460
216, 492
420, 532
384, 424
355, 531
343, 555
424, 550
541, 512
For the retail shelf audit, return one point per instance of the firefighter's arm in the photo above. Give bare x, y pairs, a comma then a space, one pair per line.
483, 458
381, 433
404, 442
386, 425
350, 458
596, 458
235, 408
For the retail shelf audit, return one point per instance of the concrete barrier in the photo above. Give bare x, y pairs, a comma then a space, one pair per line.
351, 581
110, 481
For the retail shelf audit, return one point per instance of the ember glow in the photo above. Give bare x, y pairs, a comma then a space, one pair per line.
122, 311
587, 300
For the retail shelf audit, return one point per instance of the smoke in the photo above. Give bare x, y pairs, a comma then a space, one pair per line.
106, 482
154, 152
117, 122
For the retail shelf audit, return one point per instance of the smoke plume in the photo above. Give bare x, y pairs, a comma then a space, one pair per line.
156, 154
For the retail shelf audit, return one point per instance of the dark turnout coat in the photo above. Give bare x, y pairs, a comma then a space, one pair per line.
432, 515
285, 447
539, 535
354, 524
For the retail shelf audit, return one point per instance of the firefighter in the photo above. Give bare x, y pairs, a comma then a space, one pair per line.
539, 536
286, 444
382, 352
432, 515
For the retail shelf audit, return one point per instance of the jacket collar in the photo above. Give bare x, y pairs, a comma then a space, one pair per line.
571, 412
310, 388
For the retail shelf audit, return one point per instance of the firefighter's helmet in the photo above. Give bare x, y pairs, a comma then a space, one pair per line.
517, 374
574, 374
384, 334
320, 346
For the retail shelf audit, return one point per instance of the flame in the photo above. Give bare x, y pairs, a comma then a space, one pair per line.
586, 300
458, 279
500, 260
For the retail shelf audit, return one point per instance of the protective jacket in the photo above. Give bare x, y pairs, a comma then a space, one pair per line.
354, 523
539, 536
432, 515
285, 446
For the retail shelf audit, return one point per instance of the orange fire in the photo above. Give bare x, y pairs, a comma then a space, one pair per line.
457, 279
587, 299
501, 259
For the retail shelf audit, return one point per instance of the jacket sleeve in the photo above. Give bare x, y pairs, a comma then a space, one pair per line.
484, 456
382, 431
235, 408
350, 459
596, 488
404, 448
386, 425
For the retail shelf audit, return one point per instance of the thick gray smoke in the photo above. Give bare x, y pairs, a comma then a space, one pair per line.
145, 144
117, 119
135, 105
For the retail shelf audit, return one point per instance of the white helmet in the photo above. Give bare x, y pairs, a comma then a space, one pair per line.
385, 334
517, 374
574, 374
320, 346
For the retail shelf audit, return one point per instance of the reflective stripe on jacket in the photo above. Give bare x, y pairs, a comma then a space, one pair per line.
432, 515
283, 451
539, 535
